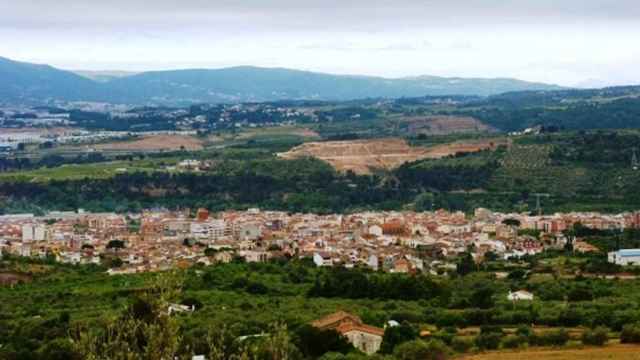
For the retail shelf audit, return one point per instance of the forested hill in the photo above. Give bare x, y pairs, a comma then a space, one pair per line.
38, 83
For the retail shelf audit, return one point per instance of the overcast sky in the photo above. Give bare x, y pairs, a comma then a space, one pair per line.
568, 42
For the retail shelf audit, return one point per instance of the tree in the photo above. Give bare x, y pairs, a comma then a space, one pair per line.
115, 245
630, 334
490, 256
511, 222
396, 335
145, 331
597, 337
483, 297
314, 342
466, 264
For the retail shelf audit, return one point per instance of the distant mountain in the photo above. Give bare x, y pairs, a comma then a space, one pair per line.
268, 84
24, 81
27, 82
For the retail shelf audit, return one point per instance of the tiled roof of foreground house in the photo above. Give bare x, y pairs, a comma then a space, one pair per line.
343, 322
347, 327
334, 320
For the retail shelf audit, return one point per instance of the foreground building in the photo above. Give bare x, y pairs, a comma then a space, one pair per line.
365, 338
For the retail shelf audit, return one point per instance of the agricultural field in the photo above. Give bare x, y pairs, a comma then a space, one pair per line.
85, 171
155, 143
444, 125
613, 352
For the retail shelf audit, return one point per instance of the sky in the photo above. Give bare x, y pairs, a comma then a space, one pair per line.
566, 42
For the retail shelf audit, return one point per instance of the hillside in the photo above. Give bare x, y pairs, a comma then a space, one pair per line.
31, 83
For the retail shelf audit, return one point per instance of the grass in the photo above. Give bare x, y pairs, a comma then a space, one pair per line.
82, 171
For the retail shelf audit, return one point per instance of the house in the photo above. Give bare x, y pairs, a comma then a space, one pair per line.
322, 259
401, 266
625, 257
179, 308
520, 295
364, 337
375, 230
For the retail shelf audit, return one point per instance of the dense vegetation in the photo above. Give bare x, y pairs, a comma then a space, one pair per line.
574, 171
64, 309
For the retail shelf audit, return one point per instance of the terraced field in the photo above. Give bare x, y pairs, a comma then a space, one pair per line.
530, 166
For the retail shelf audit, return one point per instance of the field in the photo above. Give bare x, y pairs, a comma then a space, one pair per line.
155, 143
618, 352
361, 156
82, 171
444, 125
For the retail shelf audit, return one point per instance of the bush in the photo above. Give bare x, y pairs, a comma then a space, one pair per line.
488, 341
421, 350
551, 338
598, 336
513, 341
524, 330
461, 345
630, 334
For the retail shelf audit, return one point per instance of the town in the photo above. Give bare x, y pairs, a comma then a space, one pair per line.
398, 242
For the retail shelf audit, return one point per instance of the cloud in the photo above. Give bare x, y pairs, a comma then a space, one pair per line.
595, 38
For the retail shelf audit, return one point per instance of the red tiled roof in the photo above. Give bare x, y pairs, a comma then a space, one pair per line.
348, 327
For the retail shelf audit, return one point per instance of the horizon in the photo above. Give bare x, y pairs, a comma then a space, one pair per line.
118, 73
570, 44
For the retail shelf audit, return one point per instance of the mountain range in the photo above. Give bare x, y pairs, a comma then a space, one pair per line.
33, 83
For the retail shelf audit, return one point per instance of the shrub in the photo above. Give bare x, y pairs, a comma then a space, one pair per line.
421, 350
486, 329
630, 334
551, 338
524, 330
461, 345
513, 341
598, 336
488, 341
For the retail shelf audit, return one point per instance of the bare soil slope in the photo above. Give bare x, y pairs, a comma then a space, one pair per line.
361, 156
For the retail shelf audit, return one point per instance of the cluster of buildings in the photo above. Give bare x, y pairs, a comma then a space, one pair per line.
403, 242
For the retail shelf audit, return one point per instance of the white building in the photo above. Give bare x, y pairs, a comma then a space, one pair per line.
322, 259
520, 295
625, 257
33, 232
210, 230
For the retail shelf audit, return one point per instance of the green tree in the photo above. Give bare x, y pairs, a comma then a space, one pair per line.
396, 335
466, 264
115, 245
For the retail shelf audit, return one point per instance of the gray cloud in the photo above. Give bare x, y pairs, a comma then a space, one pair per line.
327, 15
595, 38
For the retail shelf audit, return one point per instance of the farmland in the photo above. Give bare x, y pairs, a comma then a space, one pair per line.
155, 143
617, 352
